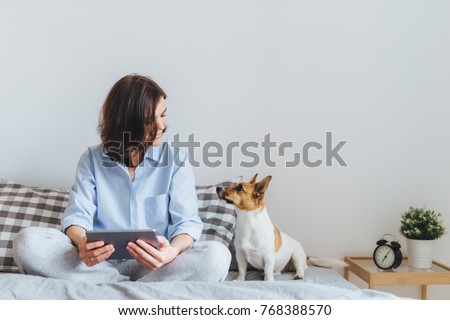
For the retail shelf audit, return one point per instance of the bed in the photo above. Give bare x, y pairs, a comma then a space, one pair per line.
22, 206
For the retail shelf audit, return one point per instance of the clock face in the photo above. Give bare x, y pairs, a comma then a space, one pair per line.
384, 257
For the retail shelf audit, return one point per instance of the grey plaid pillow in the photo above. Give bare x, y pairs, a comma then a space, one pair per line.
21, 207
219, 217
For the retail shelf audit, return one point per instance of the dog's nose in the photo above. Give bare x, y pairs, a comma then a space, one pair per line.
219, 192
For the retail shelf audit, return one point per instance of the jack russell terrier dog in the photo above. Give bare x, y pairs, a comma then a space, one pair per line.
258, 241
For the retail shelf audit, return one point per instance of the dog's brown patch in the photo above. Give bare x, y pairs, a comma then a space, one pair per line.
278, 239
247, 196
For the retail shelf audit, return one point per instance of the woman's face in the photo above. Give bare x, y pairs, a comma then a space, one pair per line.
160, 118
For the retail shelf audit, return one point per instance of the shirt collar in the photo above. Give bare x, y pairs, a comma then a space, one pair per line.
153, 153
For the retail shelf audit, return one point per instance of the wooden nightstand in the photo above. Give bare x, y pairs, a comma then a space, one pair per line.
365, 268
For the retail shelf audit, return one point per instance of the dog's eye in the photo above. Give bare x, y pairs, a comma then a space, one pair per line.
239, 188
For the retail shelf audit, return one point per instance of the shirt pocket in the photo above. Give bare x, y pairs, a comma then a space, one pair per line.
157, 211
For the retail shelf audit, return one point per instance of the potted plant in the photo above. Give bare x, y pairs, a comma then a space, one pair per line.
421, 228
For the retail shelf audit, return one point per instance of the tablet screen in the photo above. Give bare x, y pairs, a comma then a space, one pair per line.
120, 239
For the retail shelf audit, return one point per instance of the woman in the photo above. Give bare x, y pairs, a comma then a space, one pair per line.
133, 180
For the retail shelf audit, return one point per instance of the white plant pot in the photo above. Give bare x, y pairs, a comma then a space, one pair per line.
420, 253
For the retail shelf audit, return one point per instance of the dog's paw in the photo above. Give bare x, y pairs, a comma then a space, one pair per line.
239, 278
269, 278
298, 277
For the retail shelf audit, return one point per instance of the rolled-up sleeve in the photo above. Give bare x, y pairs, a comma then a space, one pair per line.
82, 197
183, 205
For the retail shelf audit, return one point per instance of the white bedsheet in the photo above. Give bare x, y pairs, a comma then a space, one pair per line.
319, 283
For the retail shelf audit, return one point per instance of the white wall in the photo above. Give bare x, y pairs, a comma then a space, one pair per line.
375, 73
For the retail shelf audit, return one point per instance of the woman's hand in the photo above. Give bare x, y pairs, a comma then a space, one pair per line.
90, 253
152, 258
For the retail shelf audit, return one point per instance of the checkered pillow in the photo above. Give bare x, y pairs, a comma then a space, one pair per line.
22, 207
218, 217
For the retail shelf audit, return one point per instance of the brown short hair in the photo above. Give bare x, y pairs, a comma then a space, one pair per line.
128, 116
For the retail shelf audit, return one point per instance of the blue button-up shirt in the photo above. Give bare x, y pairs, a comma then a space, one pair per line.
162, 195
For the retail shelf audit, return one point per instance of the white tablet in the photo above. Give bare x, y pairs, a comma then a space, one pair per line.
120, 239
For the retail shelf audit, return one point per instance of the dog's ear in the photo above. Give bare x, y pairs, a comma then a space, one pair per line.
261, 186
253, 179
